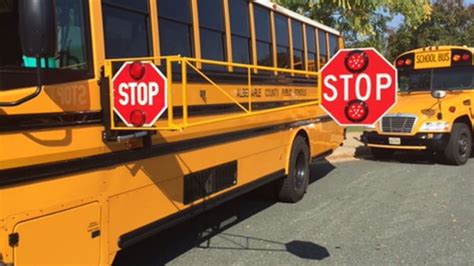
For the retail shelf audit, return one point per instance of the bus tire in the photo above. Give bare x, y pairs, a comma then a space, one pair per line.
379, 153
292, 188
459, 146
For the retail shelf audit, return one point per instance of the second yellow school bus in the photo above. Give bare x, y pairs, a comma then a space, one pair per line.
76, 186
434, 110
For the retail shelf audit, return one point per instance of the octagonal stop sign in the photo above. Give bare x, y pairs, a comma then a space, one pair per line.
139, 94
359, 86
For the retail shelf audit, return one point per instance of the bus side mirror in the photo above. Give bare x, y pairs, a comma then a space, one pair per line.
38, 28
438, 94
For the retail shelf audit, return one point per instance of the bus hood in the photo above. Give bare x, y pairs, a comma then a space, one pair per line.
422, 103
426, 108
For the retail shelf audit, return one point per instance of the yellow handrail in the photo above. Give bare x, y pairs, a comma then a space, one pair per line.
186, 62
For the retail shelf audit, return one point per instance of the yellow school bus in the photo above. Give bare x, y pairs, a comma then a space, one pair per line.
76, 185
434, 110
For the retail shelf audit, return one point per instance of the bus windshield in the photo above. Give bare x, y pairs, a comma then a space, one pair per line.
454, 78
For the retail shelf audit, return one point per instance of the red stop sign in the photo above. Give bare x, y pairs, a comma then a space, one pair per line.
139, 93
358, 87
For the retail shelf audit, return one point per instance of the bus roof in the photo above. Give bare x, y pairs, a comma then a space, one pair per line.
292, 14
438, 48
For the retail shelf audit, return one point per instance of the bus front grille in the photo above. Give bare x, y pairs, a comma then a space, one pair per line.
398, 124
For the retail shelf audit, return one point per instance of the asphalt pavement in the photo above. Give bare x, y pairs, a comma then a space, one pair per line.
409, 210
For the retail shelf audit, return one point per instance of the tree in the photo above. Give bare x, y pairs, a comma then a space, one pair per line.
362, 22
451, 23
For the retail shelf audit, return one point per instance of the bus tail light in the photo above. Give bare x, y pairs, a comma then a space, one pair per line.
466, 57
138, 118
400, 62
137, 70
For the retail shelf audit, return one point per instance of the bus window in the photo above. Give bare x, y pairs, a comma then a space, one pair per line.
175, 27
323, 48
72, 48
298, 50
283, 42
333, 44
211, 23
72, 61
241, 41
264, 38
125, 21
312, 49
453, 78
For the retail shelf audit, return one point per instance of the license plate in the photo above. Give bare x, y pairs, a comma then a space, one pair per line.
394, 141
432, 59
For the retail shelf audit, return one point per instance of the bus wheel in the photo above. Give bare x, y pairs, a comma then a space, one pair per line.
293, 187
459, 147
378, 153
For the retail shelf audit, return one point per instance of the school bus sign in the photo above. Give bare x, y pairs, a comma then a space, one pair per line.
139, 91
359, 87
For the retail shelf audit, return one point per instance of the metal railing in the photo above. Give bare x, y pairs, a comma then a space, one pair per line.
195, 65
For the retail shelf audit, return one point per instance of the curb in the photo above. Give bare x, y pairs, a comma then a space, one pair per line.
352, 150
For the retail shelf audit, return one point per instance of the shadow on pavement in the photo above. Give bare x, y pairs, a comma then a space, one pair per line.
301, 249
198, 232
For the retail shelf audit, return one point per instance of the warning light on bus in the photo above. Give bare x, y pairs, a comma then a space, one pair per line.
138, 118
137, 70
356, 61
404, 62
356, 111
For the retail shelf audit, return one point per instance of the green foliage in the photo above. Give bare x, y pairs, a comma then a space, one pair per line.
362, 22
451, 23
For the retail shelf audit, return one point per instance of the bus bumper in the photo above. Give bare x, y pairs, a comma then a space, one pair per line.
421, 141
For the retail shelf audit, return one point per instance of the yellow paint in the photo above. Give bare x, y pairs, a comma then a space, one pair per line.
56, 216
186, 63
424, 107
433, 59
393, 147
69, 238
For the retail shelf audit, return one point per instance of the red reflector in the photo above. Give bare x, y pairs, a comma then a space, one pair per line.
465, 57
400, 62
138, 118
356, 61
137, 70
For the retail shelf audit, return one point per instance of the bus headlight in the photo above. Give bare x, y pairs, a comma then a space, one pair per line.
439, 126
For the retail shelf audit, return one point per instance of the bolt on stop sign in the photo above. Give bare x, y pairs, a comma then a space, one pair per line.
139, 93
358, 87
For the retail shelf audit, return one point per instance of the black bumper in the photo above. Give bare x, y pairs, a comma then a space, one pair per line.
434, 142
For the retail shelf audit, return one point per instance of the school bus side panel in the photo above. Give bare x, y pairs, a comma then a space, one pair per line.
73, 235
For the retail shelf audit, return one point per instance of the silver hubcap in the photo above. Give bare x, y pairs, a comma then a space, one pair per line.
463, 145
